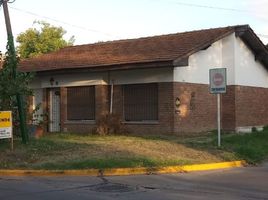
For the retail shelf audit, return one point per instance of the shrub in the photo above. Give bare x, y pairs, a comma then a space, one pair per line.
265, 128
254, 129
109, 124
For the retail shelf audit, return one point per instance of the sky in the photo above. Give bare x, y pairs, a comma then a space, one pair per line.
92, 21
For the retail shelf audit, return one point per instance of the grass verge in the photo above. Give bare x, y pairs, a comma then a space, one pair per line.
70, 151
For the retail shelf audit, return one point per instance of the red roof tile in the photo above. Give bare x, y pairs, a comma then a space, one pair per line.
142, 50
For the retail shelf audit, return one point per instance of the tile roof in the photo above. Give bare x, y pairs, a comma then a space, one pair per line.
131, 51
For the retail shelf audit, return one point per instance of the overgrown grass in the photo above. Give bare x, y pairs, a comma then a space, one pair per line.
70, 151
111, 163
251, 147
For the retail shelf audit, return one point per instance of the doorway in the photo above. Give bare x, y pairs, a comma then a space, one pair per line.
54, 110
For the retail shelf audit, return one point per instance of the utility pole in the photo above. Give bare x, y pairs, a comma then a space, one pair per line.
13, 59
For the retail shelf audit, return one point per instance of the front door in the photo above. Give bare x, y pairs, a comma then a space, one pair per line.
54, 110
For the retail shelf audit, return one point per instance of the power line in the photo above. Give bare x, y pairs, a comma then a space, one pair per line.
206, 6
63, 22
213, 7
111, 35
217, 8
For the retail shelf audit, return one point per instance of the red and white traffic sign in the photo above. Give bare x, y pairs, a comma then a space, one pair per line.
217, 80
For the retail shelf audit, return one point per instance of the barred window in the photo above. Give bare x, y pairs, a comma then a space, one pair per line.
81, 103
141, 102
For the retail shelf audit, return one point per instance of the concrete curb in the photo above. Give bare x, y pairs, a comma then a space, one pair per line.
124, 171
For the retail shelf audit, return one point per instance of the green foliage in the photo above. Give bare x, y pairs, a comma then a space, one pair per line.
47, 38
97, 163
109, 124
254, 129
70, 151
252, 147
265, 128
12, 82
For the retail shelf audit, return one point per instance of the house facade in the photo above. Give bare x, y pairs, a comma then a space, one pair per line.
157, 84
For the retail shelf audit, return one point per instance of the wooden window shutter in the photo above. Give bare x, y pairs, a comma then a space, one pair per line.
141, 102
81, 103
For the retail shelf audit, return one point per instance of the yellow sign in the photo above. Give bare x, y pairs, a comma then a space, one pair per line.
5, 119
5, 124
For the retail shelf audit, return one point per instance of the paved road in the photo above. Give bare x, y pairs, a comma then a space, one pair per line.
243, 183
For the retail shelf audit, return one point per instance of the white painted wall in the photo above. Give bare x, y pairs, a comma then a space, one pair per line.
119, 77
199, 65
36, 83
248, 72
231, 53
76, 79
142, 76
228, 58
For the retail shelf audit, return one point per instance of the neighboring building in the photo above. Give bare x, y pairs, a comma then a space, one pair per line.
160, 83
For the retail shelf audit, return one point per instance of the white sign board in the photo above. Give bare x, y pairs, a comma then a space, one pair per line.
5, 124
217, 80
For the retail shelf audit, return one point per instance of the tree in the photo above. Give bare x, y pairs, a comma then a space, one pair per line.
47, 38
10, 77
13, 85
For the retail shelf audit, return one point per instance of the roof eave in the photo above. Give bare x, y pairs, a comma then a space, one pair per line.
183, 60
245, 33
104, 68
259, 50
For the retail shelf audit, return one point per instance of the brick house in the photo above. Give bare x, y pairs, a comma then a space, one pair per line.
155, 84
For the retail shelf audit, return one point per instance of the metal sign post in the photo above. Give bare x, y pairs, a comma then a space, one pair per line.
219, 118
217, 82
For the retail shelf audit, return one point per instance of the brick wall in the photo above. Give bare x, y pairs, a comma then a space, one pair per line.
241, 106
101, 100
79, 127
251, 106
118, 100
228, 107
166, 107
198, 109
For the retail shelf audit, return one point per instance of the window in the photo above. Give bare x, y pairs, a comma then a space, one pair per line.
81, 103
141, 102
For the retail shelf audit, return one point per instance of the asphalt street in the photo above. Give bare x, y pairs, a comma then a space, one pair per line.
249, 183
